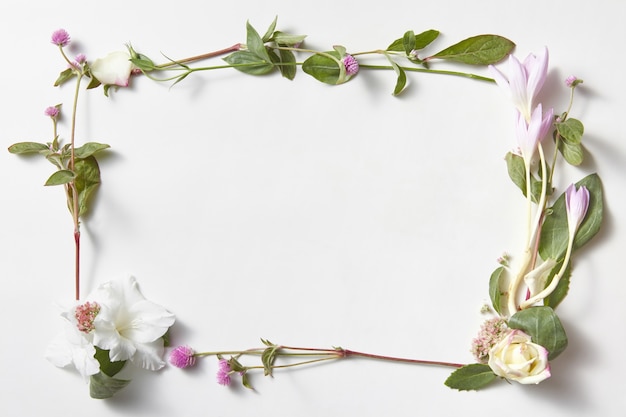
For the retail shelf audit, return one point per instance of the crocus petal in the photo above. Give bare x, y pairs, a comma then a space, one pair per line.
537, 71
114, 69
576, 204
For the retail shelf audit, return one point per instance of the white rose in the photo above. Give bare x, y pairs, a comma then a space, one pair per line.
113, 69
516, 358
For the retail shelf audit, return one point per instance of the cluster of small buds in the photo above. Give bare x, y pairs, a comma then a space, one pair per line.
223, 372
351, 64
491, 332
503, 259
60, 37
183, 357
85, 315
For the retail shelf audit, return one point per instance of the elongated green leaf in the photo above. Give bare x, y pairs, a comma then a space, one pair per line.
554, 232
249, 63
89, 149
268, 357
60, 177
562, 288
470, 377
255, 44
102, 386
87, 181
421, 41
401, 80
287, 39
408, 41
64, 76
28, 147
495, 291
517, 173
286, 64
478, 50
543, 326
270, 30
323, 68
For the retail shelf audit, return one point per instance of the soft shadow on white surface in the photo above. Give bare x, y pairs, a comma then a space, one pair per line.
303, 213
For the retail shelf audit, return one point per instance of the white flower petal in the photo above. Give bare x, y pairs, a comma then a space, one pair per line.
73, 347
114, 69
150, 355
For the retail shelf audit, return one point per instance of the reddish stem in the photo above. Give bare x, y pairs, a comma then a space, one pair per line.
208, 55
77, 263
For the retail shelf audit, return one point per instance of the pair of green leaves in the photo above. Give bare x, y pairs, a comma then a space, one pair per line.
86, 172
103, 384
540, 323
259, 59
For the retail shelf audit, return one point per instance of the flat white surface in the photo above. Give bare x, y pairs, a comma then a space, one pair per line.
305, 214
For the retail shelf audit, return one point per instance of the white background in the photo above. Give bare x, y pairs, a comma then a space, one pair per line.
302, 213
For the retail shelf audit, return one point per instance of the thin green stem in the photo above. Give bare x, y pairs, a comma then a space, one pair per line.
431, 71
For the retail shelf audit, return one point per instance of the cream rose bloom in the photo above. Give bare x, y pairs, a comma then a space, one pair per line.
113, 69
516, 358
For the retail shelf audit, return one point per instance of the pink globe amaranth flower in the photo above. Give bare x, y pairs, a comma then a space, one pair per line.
223, 372
60, 37
530, 133
523, 81
183, 357
351, 65
576, 205
52, 111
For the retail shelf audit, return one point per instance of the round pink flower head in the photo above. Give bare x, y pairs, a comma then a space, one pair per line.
223, 372
351, 64
52, 111
85, 314
572, 81
60, 37
182, 357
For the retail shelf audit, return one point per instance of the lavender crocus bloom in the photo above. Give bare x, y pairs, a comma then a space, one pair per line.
530, 133
523, 81
576, 204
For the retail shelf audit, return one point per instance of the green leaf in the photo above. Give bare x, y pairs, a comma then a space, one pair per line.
287, 64
102, 386
249, 63
401, 80
64, 76
421, 41
470, 377
286, 39
255, 44
270, 30
408, 41
495, 291
562, 288
28, 147
571, 130
554, 232
87, 181
478, 50
89, 149
517, 173
323, 68
543, 326
245, 380
268, 357
572, 152
106, 366
63, 176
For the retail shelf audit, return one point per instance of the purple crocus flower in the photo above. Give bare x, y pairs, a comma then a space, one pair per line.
530, 133
576, 204
523, 81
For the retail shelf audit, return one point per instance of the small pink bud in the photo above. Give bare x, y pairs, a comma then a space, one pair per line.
351, 64
60, 37
52, 111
